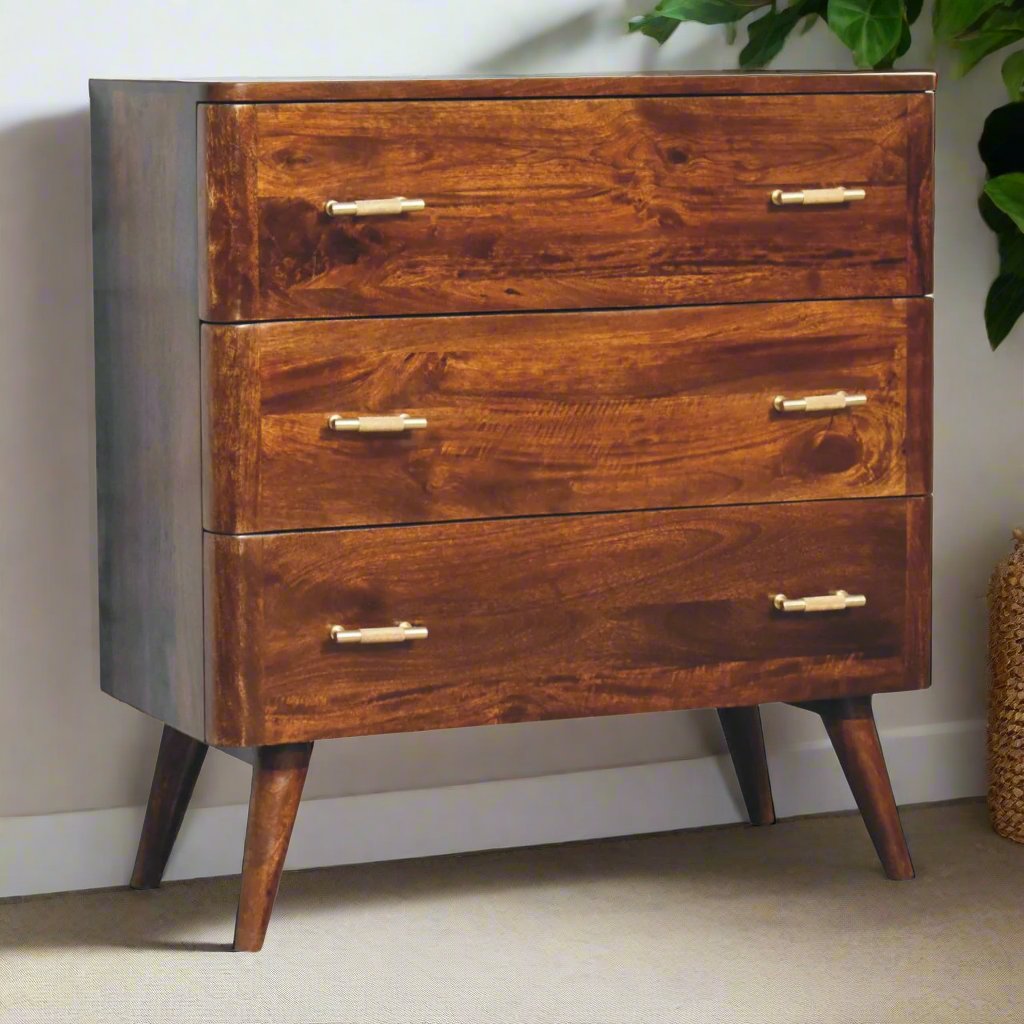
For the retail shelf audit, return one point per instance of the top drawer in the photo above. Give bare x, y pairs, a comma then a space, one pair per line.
561, 203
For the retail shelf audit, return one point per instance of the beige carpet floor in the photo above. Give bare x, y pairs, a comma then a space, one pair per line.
790, 924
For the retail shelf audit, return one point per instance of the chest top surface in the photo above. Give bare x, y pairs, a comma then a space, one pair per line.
711, 83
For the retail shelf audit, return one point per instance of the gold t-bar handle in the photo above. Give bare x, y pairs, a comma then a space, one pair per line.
817, 196
400, 633
837, 601
818, 403
373, 207
376, 424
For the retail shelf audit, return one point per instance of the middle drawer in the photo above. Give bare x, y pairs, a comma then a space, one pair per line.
529, 414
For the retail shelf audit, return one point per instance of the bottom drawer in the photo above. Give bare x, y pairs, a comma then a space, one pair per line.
561, 617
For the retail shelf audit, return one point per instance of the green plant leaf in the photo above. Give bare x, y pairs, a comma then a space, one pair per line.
994, 217
870, 28
901, 48
913, 10
1013, 74
1003, 307
1011, 252
1004, 303
951, 18
766, 36
1007, 192
654, 26
1002, 140
998, 28
708, 12
809, 22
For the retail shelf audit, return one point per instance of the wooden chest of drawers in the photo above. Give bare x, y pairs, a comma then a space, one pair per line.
427, 404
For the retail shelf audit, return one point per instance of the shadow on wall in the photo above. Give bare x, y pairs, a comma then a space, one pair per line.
48, 608
49, 519
548, 47
46, 284
552, 43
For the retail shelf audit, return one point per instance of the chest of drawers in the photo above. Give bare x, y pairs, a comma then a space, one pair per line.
426, 404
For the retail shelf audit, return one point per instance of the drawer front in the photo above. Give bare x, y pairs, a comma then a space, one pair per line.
562, 203
555, 413
563, 617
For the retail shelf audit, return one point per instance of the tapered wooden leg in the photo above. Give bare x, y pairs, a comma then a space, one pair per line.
277, 779
851, 727
177, 768
742, 728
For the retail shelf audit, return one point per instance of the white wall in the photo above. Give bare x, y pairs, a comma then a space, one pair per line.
66, 747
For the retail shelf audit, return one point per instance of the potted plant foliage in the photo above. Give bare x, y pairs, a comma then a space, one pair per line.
878, 33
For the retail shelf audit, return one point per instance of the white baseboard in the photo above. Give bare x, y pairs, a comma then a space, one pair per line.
95, 849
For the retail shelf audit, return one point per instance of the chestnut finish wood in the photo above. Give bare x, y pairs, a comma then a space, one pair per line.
559, 204
921, 187
666, 83
229, 257
745, 739
918, 411
564, 617
178, 763
850, 724
554, 413
233, 431
593, 312
148, 467
277, 780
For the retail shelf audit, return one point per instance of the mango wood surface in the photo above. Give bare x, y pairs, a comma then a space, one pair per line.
551, 413
556, 204
606, 213
560, 617
745, 739
850, 724
178, 763
645, 84
148, 463
278, 775
227, 210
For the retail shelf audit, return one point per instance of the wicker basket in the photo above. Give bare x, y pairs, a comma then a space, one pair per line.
1006, 701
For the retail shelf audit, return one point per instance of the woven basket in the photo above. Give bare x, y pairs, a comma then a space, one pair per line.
1006, 700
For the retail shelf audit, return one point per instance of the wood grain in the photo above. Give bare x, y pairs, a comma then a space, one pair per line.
278, 776
556, 204
227, 204
629, 202
745, 739
850, 724
178, 764
918, 583
232, 430
233, 617
646, 84
921, 188
918, 442
553, 413
148, 439
558, 617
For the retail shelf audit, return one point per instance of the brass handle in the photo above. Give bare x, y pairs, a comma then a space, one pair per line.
376, 424
398, 634
818, 403
837, 601
817, 196
373, 207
